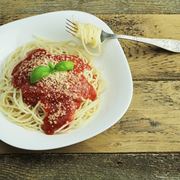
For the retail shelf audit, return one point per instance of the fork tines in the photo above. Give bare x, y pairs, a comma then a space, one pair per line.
71, 27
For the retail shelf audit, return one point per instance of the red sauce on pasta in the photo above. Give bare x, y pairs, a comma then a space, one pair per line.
60, 94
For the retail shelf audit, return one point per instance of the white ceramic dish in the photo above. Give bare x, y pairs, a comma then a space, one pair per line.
112, 63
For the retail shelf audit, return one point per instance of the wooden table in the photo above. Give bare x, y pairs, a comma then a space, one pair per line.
145, 144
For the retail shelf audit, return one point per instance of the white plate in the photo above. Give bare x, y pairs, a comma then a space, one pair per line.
112, 63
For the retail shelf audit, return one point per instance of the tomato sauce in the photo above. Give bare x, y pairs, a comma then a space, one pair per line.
59, 104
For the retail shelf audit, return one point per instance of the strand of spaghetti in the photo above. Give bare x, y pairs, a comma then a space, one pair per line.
89, 35
62, 127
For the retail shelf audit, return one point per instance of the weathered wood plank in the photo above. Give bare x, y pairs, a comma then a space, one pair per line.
11, 8
150, 125
91, 166
147, 63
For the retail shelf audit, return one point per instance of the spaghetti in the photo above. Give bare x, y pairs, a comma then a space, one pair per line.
25, 107
90, 35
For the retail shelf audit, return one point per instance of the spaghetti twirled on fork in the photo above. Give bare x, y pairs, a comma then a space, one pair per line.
89, 35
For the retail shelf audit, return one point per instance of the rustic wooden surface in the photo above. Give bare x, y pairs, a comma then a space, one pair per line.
88, 166
152, 123
22, 8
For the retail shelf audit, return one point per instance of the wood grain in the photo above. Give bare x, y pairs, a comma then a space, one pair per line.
91, 166
148, 62
24, 7
150, 125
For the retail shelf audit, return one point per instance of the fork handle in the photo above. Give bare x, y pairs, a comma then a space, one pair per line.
168, 44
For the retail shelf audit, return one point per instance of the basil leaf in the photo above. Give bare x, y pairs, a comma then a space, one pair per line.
51, 66
64, 66
39, 73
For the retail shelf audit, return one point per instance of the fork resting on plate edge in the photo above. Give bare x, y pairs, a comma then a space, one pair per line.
167, 44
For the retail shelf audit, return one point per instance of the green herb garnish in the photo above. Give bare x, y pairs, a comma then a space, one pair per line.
64, 66
39, 73
43, 71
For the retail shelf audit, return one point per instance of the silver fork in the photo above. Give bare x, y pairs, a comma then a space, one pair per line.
167, 44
